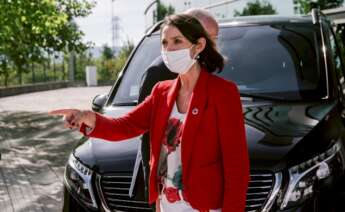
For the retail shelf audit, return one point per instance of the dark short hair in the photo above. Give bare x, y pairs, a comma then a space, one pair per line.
192, 29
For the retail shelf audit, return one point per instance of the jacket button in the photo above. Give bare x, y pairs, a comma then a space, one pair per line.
195, 111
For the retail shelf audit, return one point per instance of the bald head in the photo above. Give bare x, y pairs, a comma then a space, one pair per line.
206, 19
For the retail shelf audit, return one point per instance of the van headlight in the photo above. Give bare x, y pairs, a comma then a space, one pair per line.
78, 179
304, 176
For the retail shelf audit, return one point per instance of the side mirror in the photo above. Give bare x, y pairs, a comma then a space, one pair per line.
98, 102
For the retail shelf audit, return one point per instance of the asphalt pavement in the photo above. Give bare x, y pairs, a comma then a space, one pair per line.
34, 147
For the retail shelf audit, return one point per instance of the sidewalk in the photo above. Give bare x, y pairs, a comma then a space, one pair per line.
35, 147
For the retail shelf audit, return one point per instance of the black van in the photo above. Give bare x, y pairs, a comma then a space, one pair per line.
290, 74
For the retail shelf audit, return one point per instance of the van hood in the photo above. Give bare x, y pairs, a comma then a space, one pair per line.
272, 131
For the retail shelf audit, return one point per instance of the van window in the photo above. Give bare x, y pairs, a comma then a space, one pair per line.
146, 53
280, 61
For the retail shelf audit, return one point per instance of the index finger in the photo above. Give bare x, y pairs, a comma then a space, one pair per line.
62, 112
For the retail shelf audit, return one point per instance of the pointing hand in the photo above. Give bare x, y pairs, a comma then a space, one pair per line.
74, 118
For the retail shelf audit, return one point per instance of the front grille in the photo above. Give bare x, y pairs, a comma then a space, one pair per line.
115, 190
260, 187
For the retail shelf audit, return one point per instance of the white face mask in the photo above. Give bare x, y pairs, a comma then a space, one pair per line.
178, 61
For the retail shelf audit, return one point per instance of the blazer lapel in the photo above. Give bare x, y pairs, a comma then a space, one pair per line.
192, 121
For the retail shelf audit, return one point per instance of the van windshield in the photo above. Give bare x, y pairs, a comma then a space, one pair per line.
278, 61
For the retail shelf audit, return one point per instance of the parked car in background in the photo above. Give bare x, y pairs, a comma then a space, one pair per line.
290, 73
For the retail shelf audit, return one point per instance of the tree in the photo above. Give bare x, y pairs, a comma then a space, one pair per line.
4, 69
305, 5
31, 30
256, 8
163, 10
107, 52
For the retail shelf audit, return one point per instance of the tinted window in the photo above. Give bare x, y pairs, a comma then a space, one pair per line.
280, 61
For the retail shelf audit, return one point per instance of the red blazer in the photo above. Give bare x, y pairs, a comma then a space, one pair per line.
215, 164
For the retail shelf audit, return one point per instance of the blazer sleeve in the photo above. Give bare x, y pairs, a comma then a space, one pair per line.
132, 124
234, 149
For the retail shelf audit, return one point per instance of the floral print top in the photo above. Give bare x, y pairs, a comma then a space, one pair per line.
170, 168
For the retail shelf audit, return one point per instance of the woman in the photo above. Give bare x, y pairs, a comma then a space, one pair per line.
199, 158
